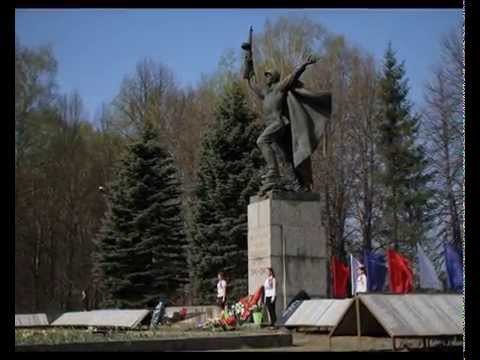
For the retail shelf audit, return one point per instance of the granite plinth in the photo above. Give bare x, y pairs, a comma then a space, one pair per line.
285, 232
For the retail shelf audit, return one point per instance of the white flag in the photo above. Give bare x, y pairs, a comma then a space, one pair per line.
354, 265
426, 271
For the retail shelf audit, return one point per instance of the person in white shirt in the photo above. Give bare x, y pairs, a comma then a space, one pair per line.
361, 284
270, 295
221, 291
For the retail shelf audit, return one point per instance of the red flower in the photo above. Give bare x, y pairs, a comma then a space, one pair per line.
230, 321
183, 312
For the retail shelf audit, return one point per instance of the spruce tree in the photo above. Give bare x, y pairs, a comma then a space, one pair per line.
141, 246
228, 175
404, 176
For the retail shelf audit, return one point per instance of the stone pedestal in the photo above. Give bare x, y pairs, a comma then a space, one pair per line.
286, 234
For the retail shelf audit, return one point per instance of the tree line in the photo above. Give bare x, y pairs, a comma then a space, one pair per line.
177, 166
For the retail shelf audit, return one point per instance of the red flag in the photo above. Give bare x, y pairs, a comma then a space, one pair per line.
401, 275
256, 297
340, 278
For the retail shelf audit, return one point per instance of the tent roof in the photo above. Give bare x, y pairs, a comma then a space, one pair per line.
406, 315
107, 318
317, 313
30, 320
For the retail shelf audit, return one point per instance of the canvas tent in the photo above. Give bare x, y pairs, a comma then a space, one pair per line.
403, 316
103, 318
30, 320
317, 313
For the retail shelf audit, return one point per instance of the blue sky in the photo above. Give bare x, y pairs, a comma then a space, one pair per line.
95, 49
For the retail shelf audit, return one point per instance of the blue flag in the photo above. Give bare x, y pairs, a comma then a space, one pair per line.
426, 271
376, 271
454, 266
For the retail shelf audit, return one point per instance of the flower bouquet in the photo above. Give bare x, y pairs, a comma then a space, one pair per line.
238, 309
242, 310
227, 321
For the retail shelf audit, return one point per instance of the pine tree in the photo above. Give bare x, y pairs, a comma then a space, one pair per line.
404, 176
141, 247
228, 176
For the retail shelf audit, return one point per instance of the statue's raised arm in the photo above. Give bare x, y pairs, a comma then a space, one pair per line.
289, 81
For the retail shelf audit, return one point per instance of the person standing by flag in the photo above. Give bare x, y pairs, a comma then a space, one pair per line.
270, 294
85, 301
355, 272
361, 282
221, 291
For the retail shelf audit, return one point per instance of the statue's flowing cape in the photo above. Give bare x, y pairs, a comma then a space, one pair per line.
309, 114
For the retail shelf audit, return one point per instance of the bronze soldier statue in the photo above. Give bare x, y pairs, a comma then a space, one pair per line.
295, 120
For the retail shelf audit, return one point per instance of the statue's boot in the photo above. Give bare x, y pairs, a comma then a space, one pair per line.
292, 183
271, 179
270, 182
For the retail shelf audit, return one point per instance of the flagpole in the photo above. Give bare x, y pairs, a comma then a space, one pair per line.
351, 275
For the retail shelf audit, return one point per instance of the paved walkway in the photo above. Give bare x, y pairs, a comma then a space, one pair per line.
320, 343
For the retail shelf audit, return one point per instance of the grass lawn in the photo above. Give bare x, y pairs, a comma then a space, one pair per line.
301, 341
68, 335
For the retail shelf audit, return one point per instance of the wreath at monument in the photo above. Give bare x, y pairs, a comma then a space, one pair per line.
238, 313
